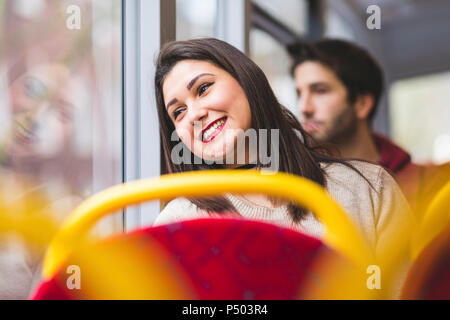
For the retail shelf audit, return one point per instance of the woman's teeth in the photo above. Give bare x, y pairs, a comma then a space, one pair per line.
24, 134
212, 129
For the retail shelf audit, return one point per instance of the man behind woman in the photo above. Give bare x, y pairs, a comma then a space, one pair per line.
339, 86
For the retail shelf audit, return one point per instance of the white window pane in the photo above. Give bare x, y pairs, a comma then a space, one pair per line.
196, 18
337, 26
273, 59
422, 104
292, 13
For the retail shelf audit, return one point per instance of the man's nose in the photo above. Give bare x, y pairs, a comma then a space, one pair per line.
306, 106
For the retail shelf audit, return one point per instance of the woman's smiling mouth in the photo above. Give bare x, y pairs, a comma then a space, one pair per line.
213, 130
23, 134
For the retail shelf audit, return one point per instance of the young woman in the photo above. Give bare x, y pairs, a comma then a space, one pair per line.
208, 93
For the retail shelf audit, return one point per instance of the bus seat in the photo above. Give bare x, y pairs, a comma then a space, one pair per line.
124, 261
434, 222
211, 258
429, 276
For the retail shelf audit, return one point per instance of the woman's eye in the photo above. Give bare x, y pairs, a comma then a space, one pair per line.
203, 88
35, 89
176, 113
64, 115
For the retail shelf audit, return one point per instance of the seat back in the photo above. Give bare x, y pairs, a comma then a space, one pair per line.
434, 222
71, 243
429, 276
198, 259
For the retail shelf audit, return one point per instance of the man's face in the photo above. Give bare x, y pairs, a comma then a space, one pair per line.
324, 109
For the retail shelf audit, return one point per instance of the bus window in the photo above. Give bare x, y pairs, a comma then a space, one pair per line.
61, 109
274, 26
337, 26
422, 103
293, 13
196, 18
263, 49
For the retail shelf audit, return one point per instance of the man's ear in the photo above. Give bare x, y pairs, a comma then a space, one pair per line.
364, 105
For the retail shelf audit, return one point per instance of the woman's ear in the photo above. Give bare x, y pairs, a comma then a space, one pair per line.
364, 105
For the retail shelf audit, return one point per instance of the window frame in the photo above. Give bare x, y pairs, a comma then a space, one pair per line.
146, 26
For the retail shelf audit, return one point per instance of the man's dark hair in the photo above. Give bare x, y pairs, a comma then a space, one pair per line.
354, 66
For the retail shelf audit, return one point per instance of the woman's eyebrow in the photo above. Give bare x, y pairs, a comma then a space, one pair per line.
189, 87
173, 101
192, 82
66, 104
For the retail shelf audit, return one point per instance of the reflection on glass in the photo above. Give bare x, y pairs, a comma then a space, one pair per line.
60, 97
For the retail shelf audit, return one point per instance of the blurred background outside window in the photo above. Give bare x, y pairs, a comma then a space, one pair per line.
273, 59
270, 55
196, 18
420, 114
336, 26
293, 13
61, 99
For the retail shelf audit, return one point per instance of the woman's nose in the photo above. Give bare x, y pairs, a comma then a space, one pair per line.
198, 113
31, 117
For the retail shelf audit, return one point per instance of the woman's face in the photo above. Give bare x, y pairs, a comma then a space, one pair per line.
42, 112
208, 108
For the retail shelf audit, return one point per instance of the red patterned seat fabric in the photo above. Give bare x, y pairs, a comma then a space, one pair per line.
429, 276
223, 259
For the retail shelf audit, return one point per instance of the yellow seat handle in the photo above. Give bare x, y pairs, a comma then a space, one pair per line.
341, 234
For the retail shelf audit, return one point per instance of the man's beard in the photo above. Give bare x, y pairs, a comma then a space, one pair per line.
342, 128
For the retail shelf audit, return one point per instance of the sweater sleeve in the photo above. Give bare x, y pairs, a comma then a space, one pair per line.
394, 223
177, 210
393, 217
377, 209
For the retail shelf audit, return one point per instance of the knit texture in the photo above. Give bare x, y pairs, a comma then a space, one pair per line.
375, 210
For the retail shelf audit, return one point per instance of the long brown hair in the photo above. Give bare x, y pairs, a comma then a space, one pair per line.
296, 154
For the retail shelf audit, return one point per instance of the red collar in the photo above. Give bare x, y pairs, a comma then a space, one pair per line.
392, 156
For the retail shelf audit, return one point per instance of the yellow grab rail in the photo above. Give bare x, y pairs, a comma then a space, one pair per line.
341, 234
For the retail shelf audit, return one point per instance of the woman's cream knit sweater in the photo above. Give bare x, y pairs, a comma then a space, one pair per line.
375, 211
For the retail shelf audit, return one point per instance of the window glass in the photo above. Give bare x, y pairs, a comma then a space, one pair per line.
337, 27
196, 18
60, 83
420, 117
292, 13
273, 59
